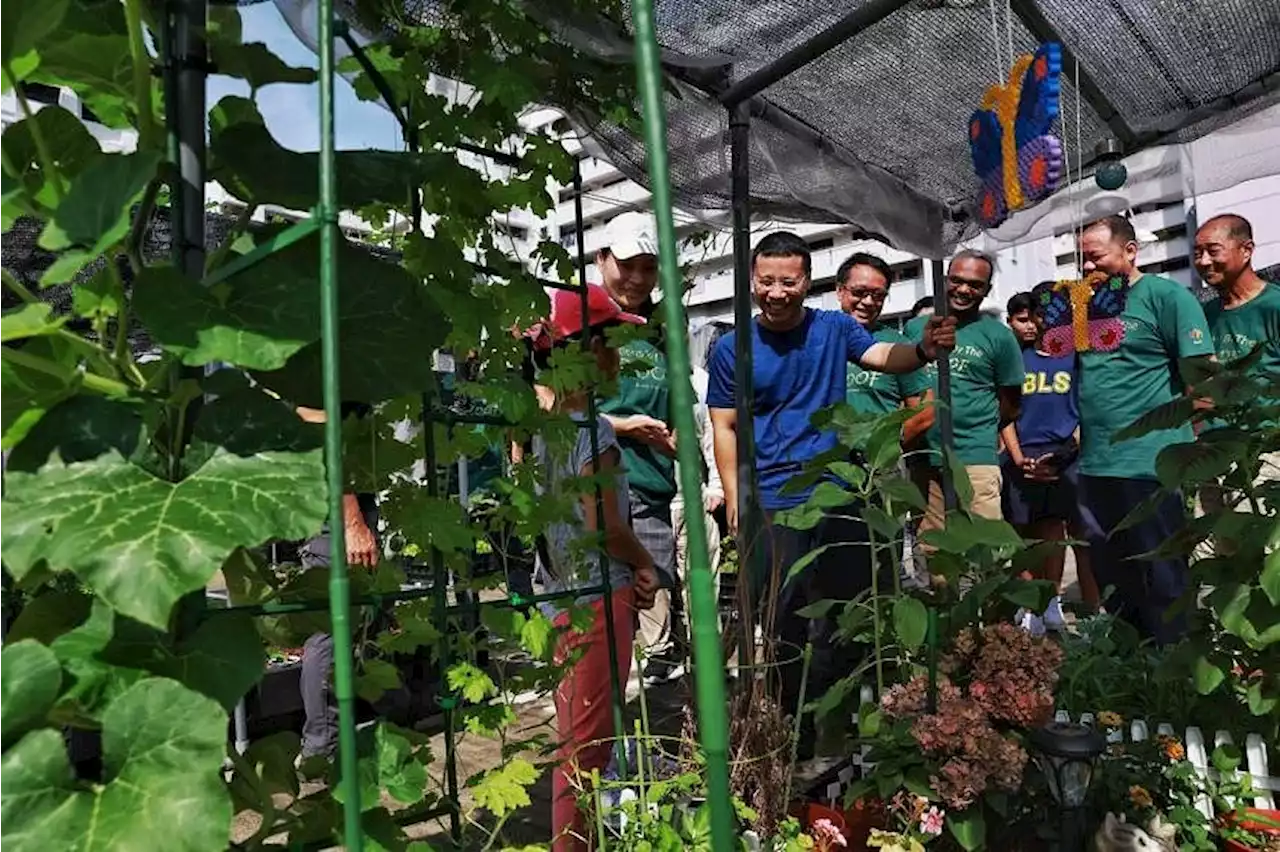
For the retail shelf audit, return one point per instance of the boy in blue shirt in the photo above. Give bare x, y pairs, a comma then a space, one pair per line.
800, 356
1041, 480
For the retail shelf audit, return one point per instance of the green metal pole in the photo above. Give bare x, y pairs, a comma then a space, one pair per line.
339, 593
708, 661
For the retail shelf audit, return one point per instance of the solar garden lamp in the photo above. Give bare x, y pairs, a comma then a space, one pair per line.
1067, 753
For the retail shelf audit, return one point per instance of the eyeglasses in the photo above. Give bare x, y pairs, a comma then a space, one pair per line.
787, 283
860, 293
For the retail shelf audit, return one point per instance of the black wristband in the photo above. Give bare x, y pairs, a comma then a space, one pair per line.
922, 355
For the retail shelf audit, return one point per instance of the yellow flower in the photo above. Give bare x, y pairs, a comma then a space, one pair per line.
893, 842
1110, 719
1140, 797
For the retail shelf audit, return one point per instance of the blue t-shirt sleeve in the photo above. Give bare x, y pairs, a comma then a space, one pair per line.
857, 340
720, 367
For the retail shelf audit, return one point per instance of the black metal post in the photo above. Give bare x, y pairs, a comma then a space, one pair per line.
743, 379
189, 53
946, 426
866, 15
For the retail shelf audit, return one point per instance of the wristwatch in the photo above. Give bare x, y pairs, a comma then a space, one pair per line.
922, 355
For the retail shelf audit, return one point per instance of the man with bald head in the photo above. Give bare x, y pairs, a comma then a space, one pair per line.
1163, 325
1245, 315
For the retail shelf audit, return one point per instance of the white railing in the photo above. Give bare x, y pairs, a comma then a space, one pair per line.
1265, 785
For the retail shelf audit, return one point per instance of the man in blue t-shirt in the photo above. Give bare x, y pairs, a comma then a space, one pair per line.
1038, 465
800, 356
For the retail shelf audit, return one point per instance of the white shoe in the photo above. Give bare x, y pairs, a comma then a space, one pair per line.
1054, 618
1030, 622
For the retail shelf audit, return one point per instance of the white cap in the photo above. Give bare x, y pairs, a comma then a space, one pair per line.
630, 234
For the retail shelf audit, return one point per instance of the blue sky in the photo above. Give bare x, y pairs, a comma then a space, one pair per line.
290, 109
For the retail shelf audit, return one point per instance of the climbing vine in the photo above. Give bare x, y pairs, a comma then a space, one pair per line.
131, 481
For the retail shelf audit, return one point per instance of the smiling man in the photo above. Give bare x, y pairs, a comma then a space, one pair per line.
800, 357
986, 389
640, 414
1245, 316
1163, 324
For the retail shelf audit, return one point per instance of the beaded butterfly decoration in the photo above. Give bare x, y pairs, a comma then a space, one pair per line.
1017, 158
1083, 315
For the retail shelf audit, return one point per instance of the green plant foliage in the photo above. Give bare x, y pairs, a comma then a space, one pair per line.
162, 749
131, 480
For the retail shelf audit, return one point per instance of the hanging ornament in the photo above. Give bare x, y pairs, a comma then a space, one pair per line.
1015, 155
1110, 173
1083, 315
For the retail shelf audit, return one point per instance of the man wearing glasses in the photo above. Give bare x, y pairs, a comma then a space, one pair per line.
986, 389
799, 358
862, 287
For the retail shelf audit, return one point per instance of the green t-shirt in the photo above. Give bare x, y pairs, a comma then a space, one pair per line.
642, 389
1239, 331
873, 392
1163, 322
914, 329
987, 357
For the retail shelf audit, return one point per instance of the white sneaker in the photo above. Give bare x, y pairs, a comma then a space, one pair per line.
1054, 618
1030, 622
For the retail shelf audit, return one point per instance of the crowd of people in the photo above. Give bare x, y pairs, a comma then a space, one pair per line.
1033, 430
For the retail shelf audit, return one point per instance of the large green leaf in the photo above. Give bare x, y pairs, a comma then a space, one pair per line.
251, 165
141, 542
32, 319
94, 214
162, 748
69, 145
388, 328
255, 319
91, 56
1188, 465
221, 659
25, 24
910, 622
1171, 415
257, 65
29, 681
33, 379
391, 759
969, 828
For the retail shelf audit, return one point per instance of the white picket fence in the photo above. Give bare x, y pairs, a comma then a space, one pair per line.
1255, 755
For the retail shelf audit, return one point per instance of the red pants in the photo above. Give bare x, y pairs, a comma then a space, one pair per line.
584, 712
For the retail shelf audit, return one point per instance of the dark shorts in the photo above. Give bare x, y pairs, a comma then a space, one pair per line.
1143, 590
1025, 502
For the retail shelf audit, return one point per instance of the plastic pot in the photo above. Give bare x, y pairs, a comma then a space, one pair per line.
810, 812
859, 820
1272, 816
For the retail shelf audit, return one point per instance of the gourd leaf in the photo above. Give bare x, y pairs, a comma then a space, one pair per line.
162, 748
251, 165
94, 214
257, 65
141, 542
505, 789
33, 319
30, 678
34, 379
25, 24
91, 56
70, 145
222, 658
256, 319
391, 759
1171, 415
377, 678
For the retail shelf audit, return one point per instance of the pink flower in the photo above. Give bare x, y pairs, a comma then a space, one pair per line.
931, 821
826, 835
